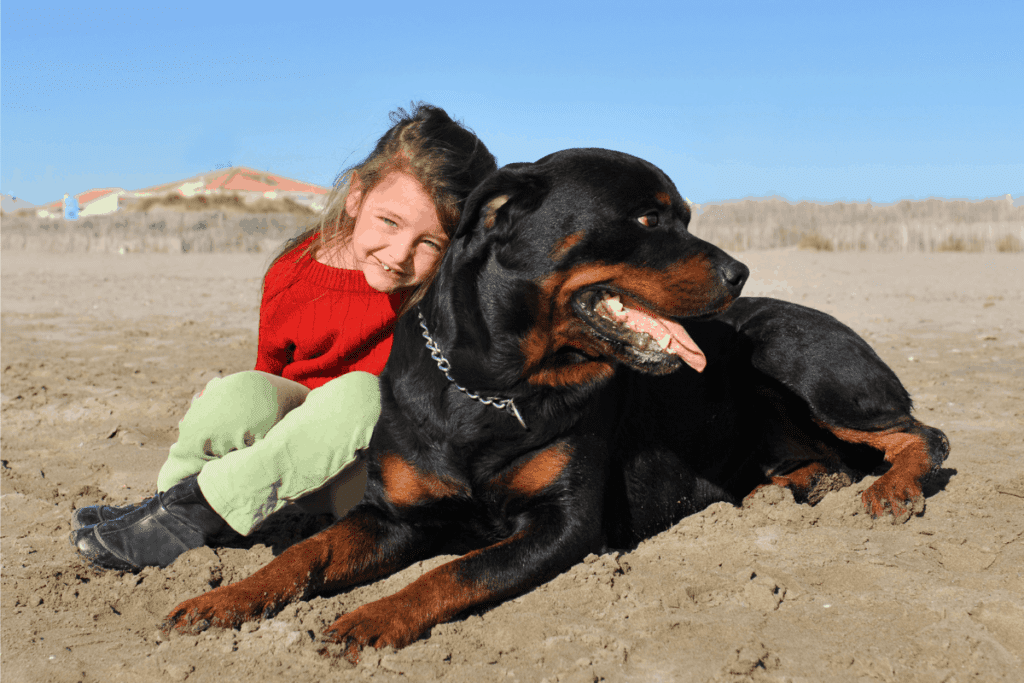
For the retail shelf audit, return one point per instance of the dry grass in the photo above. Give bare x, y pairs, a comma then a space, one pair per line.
932, 225
20, 213
229, 203
160, 230
1009, 243
813, 240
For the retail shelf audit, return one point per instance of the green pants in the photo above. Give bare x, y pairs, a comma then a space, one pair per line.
259, 442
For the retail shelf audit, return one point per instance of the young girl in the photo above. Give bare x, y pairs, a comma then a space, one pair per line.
288, 431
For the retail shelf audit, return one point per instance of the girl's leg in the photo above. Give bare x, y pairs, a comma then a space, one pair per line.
310, 451
308, 448
230, 414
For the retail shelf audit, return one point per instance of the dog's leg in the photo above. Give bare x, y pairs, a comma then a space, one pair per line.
494, 573
361, 547
848, 390
808, 483
797, 456
915, 450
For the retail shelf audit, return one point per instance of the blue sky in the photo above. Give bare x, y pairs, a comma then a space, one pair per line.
809, 101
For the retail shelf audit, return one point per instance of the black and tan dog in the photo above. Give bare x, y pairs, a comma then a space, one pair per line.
583, 375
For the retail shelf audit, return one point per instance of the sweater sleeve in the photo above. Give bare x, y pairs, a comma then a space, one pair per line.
273, 351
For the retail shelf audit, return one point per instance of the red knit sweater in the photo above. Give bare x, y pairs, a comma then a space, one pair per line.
319, 322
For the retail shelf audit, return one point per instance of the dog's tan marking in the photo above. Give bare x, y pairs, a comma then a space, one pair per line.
899, 490
406, 485
540, 471
573, 375
489, 214
565, 244
799, 480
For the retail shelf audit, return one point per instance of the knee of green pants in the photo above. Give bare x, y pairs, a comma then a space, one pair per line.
337, 417
310, 448
356, 395
351, 406
230, 413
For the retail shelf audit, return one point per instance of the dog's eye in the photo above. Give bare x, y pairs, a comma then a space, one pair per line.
649, 220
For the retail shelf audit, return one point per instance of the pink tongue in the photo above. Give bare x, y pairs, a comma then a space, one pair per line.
681, 344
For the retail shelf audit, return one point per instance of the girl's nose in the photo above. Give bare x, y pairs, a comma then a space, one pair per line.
401, 254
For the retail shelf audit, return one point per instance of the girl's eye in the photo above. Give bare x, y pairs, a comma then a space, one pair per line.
388, 222
649, 220
434, 245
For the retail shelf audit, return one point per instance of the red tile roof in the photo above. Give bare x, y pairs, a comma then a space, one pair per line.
82, 197
238, 179
234, 179
90, 195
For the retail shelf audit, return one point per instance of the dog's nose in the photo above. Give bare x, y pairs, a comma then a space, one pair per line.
734, 274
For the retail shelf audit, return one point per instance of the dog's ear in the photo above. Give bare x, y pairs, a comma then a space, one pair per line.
502, 197
489, 214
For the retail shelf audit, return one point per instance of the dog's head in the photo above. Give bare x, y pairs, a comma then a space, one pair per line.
564, 267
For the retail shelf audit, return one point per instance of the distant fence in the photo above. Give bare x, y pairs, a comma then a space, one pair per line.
155, 232
1004, 237
932, 225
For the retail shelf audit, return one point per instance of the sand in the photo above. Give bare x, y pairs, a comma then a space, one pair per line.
101, 353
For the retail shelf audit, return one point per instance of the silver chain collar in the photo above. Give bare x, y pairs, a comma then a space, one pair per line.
444, 366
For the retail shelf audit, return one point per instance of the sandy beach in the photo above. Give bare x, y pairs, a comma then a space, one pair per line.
101, 353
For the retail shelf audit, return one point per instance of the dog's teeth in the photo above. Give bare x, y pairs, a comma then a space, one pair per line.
664, 341
605, 311
614, 307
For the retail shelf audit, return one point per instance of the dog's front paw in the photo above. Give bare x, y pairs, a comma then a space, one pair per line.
900, 497
378, 624
224, 607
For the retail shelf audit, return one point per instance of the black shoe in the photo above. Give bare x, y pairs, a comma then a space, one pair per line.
153, 534
97, 514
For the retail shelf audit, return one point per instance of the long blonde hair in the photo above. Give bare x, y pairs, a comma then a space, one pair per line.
445, 157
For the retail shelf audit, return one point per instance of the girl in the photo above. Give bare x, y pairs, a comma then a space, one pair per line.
288, 431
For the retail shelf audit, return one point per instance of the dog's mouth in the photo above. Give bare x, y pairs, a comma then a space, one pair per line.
647, 341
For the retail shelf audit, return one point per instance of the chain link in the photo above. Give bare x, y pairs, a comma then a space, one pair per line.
444, 366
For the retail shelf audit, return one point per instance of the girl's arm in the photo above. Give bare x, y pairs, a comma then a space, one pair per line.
273, 350
272, 355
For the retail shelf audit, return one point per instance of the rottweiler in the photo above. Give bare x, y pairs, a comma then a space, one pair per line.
582, 374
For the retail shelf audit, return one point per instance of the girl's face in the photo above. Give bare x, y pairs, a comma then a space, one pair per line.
398, 239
